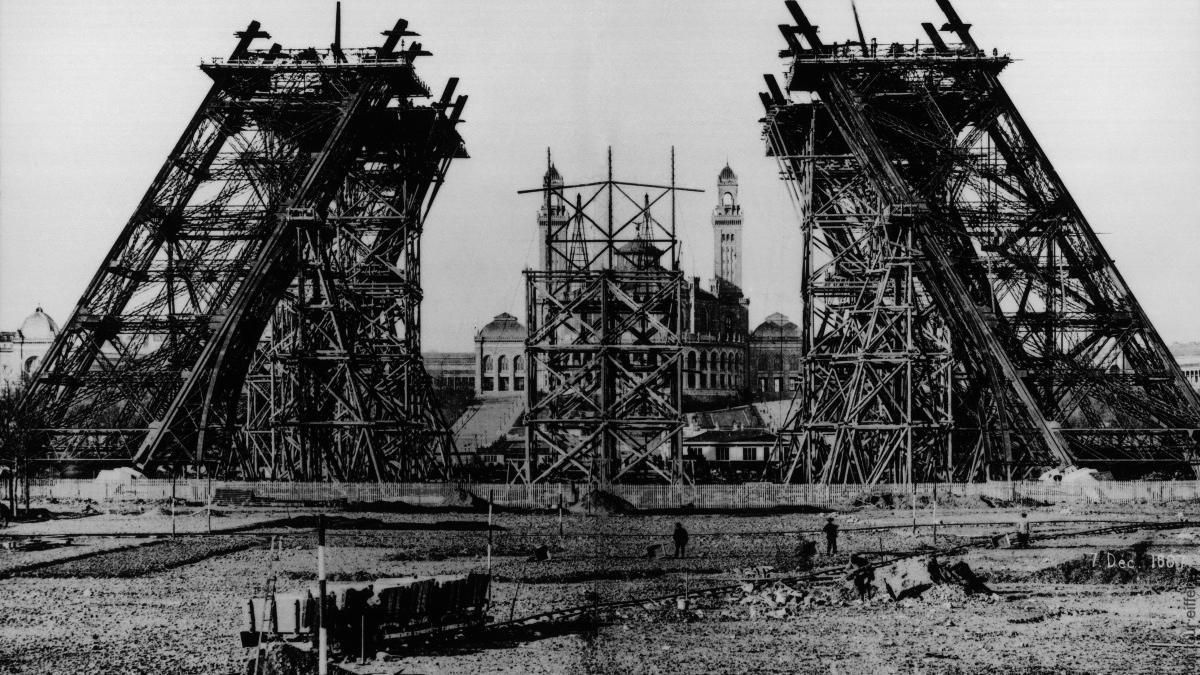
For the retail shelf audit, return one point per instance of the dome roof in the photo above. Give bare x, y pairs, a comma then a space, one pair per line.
552, 175
727, 175
777, 326
504, 327
636, 255
38, 327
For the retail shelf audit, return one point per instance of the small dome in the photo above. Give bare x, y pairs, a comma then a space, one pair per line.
727, 175
553, 176
38, 327
775, 327
504, 327
636, 255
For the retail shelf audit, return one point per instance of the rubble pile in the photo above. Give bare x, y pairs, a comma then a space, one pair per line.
781, 601
1019, 502
911, 577
601, 503
921, 578
464, 499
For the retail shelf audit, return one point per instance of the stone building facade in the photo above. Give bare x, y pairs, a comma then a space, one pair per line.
717, 320
22, 350
500, 357
775, 350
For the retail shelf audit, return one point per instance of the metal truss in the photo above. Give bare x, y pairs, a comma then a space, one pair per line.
962, 320
298, 191
603, 354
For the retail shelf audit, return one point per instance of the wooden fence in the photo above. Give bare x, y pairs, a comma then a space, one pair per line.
744, 496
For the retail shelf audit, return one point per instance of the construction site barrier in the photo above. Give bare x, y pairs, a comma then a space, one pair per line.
548, 495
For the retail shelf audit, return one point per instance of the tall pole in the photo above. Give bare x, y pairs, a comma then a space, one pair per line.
208, 470
491, 497
322, 636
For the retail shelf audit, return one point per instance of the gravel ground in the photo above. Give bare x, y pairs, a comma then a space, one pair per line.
185, 619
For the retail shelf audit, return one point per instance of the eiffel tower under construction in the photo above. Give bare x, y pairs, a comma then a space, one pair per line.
259, 315
961, 318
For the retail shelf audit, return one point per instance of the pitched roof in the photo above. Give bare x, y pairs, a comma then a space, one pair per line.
740, 436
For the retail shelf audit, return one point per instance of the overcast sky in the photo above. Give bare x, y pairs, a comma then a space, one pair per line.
94, 94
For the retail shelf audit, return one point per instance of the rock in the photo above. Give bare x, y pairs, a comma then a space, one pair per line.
905, 578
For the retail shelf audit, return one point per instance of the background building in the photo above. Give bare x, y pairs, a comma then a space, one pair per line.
717, 320
500, 357
22, 350
775, 350
451, 370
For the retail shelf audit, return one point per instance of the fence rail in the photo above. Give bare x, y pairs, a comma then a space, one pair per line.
745, 496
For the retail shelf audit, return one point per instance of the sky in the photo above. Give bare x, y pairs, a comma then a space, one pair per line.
94, 94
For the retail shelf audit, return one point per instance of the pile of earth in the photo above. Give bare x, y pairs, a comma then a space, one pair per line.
885, 500
464, 499
921, 578
602, 503
1134, 565
1019, 502
912, 577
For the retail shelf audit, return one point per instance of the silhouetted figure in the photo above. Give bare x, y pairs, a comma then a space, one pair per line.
830, 530
1023, 531
863, 576
681, 540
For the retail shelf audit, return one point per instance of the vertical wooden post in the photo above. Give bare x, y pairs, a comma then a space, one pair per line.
322, 635
491, 496
210, 500
172, 502
914, 508
935, 518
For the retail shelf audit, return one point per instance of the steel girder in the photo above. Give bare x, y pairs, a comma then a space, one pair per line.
603, 353
305, 170
962, 320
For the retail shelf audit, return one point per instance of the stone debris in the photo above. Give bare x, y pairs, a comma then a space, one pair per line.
911, 577
904, 581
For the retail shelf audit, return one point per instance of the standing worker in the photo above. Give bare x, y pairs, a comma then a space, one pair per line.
831, 530
681, 540
1023, 531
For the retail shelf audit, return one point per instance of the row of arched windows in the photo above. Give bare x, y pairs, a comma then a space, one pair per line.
714, 370
503, 373
502, 363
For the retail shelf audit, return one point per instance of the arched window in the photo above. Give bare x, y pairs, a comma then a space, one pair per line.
487, 364
728, 199
691, 370
519, 364
502, 364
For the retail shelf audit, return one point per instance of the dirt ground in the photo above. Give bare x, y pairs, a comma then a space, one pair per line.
161, 605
